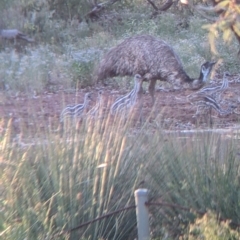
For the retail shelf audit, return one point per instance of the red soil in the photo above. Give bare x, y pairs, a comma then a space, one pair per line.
171, 111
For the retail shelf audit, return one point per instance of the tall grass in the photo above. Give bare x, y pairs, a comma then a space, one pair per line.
59, 181
199, 172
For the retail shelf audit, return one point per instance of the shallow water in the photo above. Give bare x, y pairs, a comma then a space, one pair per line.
218, 143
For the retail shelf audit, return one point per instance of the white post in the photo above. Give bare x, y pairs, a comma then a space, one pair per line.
141, 197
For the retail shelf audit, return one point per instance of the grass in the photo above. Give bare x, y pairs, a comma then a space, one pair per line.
73, 61
56, 182
67, 186
200, 174
52, 182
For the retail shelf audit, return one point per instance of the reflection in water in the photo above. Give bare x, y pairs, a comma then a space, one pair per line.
213, 144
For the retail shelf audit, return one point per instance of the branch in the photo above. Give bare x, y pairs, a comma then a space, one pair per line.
94, 11
202, 10
209, 9
14, 34
199, 9
99, 7
153, 5
164, 7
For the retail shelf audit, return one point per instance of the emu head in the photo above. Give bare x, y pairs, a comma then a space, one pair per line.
87, 97
138, 78
205, 71
100, 93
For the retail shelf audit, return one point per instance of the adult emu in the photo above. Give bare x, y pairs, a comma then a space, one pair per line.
153, 59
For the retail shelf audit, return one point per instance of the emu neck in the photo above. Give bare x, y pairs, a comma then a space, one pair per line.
198, 83
203, 77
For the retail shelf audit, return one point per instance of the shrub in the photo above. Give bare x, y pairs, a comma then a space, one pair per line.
209, 227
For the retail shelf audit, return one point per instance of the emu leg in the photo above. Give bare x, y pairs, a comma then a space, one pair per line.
151, 89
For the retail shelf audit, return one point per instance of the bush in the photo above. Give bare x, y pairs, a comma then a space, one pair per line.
209, 227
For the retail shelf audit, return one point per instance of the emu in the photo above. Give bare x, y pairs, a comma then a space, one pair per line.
153, 59
75, 111
94, 111
216, 91
210, 97
204, 101
129, 100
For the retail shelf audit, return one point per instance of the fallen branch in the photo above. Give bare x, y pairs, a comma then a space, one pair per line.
14, 34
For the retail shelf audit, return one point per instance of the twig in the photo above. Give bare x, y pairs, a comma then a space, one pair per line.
14, 34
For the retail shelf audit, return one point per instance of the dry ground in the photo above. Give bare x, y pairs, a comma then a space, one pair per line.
171, 111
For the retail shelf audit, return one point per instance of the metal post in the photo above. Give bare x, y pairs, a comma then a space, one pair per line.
141, 197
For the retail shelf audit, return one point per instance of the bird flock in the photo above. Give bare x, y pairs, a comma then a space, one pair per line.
122, 105
148, 58
210, 97
205, 99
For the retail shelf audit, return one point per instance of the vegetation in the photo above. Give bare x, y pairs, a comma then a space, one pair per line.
51, 182
54, 183
208, 227
58, 183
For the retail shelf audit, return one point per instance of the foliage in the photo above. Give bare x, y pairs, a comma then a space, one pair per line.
209, 227
82, 67
82, 74
227, 24
193, 174
56, 182
53, 187
31, 72
5, 4
60, 9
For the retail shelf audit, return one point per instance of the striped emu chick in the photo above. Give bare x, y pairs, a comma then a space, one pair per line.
206, 102
129, 100
210, 97
94, 111
217, 91
153, 59
75, 111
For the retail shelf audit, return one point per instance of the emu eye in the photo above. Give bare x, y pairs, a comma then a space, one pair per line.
138, 76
